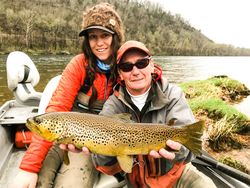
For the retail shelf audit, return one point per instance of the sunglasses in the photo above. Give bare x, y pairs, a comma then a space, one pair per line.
140, 64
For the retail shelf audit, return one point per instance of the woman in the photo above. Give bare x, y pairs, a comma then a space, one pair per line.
85, 85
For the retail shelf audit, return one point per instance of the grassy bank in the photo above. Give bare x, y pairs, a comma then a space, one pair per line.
226, 128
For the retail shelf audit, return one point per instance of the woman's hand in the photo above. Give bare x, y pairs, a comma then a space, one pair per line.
72, 148
176, 146
25, 179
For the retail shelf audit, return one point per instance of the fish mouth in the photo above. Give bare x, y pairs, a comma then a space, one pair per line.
35, 125
32, 126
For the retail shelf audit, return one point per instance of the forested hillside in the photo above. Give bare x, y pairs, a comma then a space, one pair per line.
52, 26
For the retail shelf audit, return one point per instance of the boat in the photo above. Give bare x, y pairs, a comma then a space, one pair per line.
22, 76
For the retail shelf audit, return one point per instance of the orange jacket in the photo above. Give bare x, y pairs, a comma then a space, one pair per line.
62, 100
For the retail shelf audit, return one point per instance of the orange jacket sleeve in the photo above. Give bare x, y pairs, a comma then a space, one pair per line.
36, 153
68, 87
62, 100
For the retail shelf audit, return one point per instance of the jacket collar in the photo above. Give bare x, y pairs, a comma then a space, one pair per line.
159, 99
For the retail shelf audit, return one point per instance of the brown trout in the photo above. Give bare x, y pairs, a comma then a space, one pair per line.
113, 136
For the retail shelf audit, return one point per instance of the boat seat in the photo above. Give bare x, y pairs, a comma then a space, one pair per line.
47, 94
22, 77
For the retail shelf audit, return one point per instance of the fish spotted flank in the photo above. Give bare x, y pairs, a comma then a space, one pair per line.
113, 136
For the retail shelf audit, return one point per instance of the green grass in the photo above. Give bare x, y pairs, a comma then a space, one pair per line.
233, 163
217, 109
214, 98
220, 87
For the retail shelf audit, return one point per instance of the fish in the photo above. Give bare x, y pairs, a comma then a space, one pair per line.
115, 135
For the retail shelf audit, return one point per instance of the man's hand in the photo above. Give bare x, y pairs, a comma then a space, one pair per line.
72, 148
164, 153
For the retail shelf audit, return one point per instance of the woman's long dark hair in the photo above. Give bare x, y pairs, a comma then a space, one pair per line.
91, 68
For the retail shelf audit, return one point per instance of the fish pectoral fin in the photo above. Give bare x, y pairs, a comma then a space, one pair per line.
124, 117
125, 162
65, 140
66, 157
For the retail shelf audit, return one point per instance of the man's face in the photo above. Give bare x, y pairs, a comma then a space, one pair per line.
137, 81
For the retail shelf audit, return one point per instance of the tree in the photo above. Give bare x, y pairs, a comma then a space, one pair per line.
27, 18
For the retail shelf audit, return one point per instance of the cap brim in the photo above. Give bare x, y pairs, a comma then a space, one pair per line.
131, 45
85, 31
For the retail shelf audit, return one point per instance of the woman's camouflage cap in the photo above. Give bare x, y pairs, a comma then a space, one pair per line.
102, 16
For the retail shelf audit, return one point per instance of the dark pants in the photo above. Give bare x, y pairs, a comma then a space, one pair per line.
80, 173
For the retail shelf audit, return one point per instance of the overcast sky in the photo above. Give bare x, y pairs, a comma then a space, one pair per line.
223, 21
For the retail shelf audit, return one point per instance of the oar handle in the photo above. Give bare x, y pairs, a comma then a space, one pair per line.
226, 169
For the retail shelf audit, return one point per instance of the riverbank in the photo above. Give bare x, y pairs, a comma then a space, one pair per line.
244, 106
221, 102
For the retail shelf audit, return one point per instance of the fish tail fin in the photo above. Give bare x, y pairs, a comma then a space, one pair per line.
193, 136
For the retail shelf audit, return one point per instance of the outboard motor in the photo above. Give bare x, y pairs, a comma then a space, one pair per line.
22, 76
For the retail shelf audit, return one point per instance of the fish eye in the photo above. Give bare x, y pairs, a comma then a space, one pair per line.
37, 120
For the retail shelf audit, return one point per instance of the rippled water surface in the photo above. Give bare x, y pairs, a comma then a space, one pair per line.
48, 67
177, 69
181, 69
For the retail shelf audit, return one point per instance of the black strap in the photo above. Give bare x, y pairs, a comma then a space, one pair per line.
86, 85
26, 88
26, 73
119, 177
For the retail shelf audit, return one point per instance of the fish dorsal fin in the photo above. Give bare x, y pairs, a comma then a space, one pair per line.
124, 117
125, 162
172, 121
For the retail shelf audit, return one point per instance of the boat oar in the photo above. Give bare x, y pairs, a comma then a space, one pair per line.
226, 169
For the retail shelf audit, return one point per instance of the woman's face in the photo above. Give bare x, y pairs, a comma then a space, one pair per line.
100, 43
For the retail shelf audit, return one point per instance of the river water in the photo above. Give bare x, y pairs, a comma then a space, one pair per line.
182, 69
177, 69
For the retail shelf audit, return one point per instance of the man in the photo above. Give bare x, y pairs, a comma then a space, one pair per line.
150, 98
